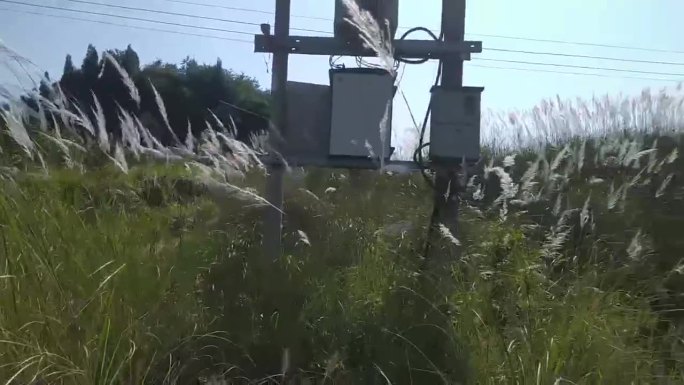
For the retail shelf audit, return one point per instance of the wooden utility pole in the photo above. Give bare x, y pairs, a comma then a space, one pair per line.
452, 52
453, 26
273, 221
446, 198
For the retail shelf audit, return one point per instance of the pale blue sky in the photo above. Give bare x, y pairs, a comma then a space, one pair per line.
642, 23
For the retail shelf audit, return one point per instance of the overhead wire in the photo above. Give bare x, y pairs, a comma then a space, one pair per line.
258, 115
230, 8
568, 55
138, 27
126, 17
577, 43
103, 22
580, 67
250, 42
411, 30
201, 17
498, 36
572, 73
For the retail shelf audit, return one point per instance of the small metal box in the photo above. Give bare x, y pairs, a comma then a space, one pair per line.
308, 127
361, 118
455, 124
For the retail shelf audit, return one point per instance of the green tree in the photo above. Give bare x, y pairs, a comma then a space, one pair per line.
191, 93
68, 66
128, 59
91, 65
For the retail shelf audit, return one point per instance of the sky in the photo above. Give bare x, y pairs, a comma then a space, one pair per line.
649, 24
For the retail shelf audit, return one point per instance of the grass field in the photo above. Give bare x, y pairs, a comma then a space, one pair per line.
130, 263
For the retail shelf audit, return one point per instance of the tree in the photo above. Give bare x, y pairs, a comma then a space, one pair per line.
131, 61
191, 92
91, 65
68, 66
128, 59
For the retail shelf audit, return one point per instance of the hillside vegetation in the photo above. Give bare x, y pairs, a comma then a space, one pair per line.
123, 261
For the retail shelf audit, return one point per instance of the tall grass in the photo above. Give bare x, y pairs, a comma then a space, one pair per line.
557, 121
126, 262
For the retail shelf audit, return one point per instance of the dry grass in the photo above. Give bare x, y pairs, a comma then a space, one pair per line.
556, 121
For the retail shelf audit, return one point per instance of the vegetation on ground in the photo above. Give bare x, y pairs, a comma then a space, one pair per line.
126, 261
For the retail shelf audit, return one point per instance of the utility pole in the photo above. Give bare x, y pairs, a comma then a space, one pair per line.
447, 184
453, 26
273, 221
452, 51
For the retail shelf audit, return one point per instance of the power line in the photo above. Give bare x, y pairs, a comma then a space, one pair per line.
126, 25
577, 43
160, 12
313, 30
580, 67
571, 73
538, 40
126, 17
326, 32
249, 42
583, 56
243, 9
258, 115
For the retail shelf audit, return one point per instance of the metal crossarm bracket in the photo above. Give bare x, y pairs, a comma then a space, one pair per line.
408, 49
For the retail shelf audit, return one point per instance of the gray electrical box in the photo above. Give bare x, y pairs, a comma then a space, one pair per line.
382, 10
308, 127
361, 112
455, 124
